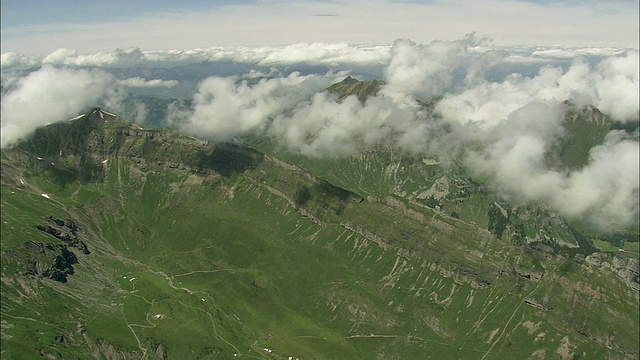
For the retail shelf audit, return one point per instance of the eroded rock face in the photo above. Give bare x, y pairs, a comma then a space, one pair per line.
51, 261
627, 269
65, 231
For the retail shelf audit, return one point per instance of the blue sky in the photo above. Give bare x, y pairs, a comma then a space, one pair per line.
39, 27
17, 13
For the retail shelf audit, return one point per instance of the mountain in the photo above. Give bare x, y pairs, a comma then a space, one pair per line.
125, 243
449, 188
350, 86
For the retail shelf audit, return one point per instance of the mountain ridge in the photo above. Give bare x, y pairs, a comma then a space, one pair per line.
163, 213
362, 89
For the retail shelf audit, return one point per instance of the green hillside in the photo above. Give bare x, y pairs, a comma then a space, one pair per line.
124, 243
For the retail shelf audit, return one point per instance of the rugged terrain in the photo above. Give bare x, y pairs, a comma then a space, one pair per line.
120, 242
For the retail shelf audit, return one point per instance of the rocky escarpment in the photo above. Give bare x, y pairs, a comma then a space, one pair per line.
361, 89
52, 260
79, 150
46, 260
627, 269
65, 231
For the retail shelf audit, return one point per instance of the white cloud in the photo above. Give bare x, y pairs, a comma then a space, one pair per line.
474, 52
53, 94
116, 58
606, 191
612, 86
320, 53
573, 52
323, 127
137, 82
503, 129
13, 61
512, 154
424, 71
616, 82
224, 109
59, 57
301, 53
603, 193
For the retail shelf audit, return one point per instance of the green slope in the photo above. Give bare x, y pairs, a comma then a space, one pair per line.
198, 250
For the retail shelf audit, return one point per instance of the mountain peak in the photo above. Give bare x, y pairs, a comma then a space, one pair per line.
351, 86
97, 113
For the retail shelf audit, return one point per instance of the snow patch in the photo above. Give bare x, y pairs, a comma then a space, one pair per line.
77, 117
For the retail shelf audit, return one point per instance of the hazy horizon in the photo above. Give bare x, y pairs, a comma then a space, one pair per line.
40, 28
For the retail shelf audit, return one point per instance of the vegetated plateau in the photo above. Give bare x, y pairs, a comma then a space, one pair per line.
125, 243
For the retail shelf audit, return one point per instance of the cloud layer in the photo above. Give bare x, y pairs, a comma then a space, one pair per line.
500, 110
225, 108
502, 130
308, 53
